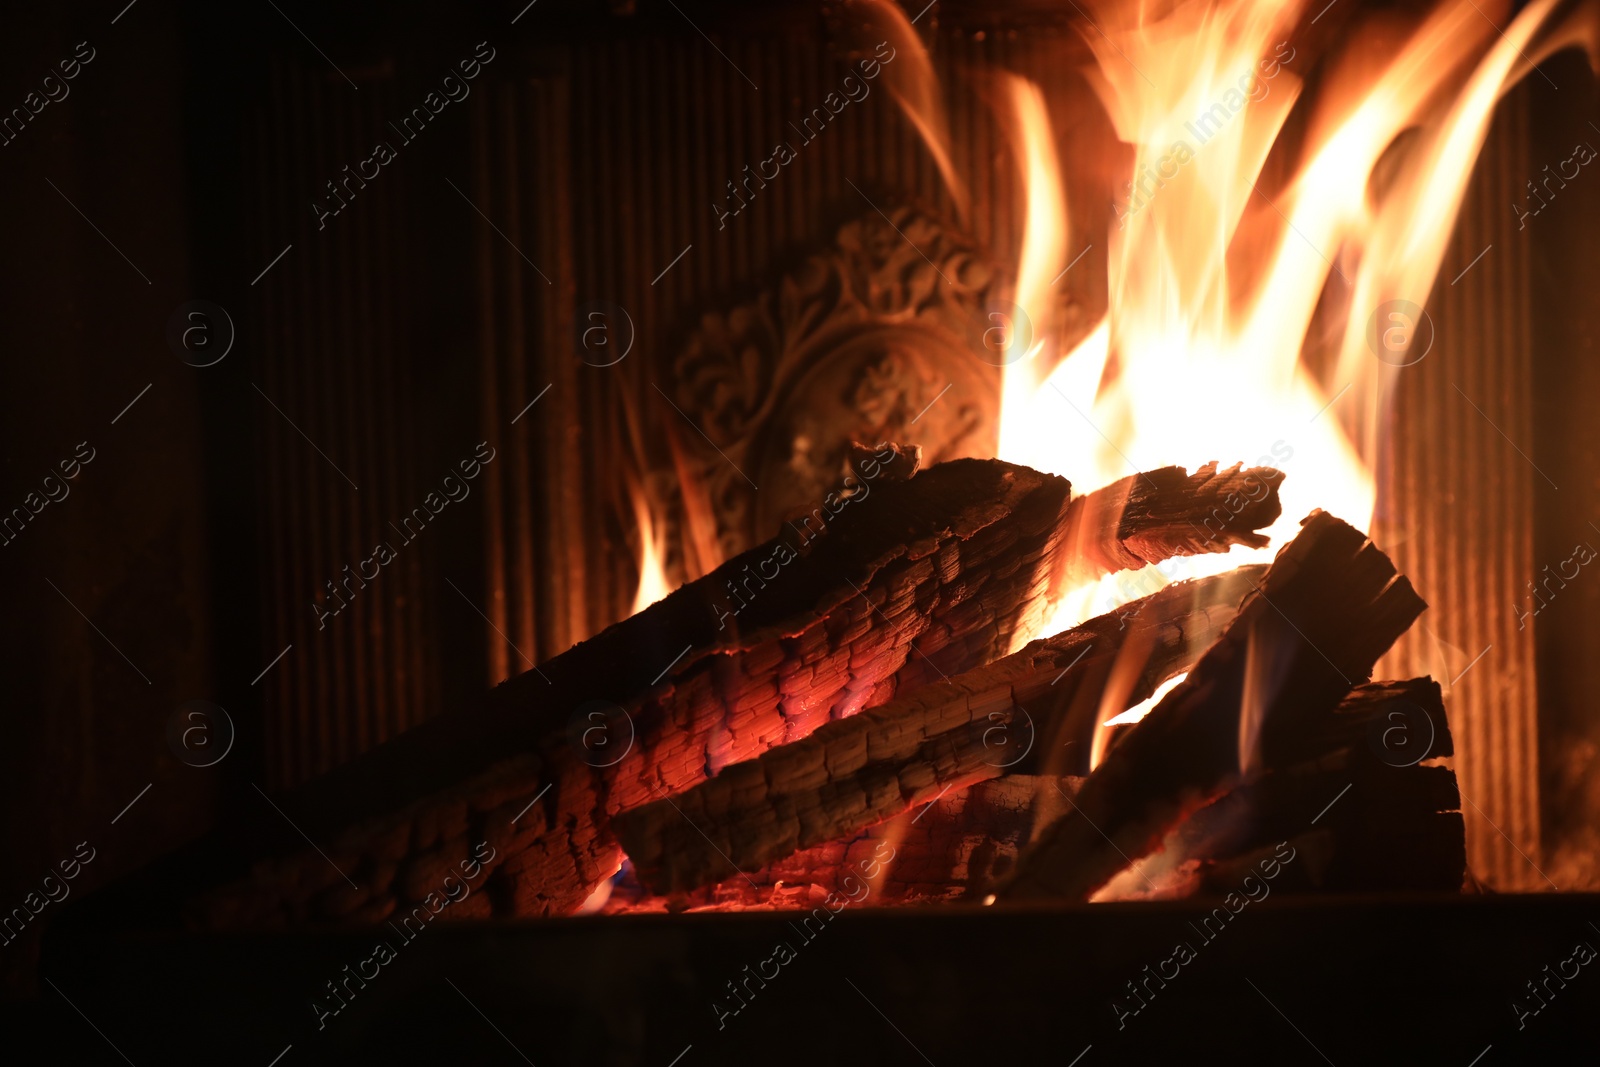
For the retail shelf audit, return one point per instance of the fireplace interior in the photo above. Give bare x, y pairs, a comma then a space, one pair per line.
537, 512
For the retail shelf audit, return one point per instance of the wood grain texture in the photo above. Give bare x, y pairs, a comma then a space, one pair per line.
852, 774
1352, 793
951, 848
1329, 606
904, 585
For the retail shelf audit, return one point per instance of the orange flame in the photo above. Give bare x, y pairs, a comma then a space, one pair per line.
1102, 730
653, 584
909, 76
1217, 289
1043, 244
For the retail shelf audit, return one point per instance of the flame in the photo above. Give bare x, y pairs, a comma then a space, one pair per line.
908, 75
1043, 243
1141, 709
596, 900
1114, 695
1225, 289
653, 584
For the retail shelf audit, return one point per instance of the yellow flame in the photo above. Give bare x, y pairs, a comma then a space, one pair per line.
1043, 244
653, 584
1141, 709
1220, 283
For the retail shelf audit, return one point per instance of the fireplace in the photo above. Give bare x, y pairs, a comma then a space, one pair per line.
806, 328
1022, 485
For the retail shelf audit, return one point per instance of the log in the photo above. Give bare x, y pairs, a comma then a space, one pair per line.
1383, 820
1390, 841
1329, 606
1396, 827
900, 584
1160, 514
951, 848
860, 771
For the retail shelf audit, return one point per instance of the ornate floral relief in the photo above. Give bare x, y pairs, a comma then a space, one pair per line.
867, 340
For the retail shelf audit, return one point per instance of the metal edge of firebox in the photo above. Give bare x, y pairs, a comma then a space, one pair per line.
1399, 979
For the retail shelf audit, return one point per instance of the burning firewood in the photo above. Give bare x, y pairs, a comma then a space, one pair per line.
860, 771
897, 584
950, 848
1351, 789
1329, 606
1164, 513
1377, 818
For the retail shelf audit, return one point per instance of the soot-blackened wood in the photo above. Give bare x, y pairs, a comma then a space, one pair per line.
1392, 838
979, 725
1425, 854
1402, 723
1328, 607
1387, 822
770, 645
905, 582
1384, 820
951, 848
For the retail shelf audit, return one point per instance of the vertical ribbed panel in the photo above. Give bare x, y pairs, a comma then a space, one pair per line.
1456, 511
610, 171
334, 358
536, 560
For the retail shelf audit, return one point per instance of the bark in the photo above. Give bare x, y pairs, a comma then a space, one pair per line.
1328, 607
1376, 816
905, 582
852, 774
951, 848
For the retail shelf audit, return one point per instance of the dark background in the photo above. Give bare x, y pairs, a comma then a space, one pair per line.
166, 143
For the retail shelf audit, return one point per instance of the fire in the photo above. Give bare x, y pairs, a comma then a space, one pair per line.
1251, 317
653, 584
1043, 245
1225, 289
1102, 730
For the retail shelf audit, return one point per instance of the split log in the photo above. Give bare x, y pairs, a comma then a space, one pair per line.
1381, 820
953, 847
1164, 513
1378, 820
1389, 841
860, 771
899, 584
1329, 606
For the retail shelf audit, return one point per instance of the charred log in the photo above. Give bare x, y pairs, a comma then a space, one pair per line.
860, 771
953, 847
883, 589
1329, 606
1378, 818
1159, 514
